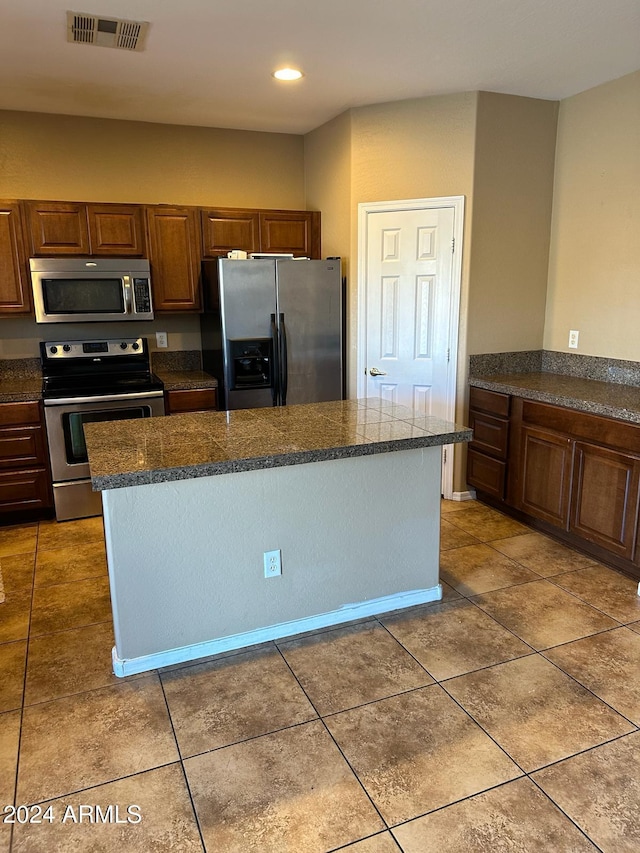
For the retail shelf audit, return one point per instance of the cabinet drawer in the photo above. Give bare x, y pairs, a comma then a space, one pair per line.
489, 401
24, 490
490, 434
22, 446
486, 473
190, 400
17, 414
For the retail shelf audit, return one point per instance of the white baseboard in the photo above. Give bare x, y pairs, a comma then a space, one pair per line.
469, 495
132, 666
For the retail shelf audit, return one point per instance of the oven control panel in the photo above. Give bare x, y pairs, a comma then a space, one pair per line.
93, 349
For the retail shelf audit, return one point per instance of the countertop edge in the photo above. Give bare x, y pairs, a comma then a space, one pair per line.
578, 404
108, 482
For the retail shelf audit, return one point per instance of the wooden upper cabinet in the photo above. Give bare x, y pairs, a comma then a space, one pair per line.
116, 229
15, 286
295, 232
174, 252
66, 228
225, 229
285, 231
57, 228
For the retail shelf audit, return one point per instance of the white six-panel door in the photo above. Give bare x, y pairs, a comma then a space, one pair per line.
409, 263
408, 312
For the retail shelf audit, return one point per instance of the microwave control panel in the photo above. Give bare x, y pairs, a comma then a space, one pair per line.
142, 295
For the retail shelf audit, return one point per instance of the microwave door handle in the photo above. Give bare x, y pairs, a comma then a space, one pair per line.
275, 365
127, 294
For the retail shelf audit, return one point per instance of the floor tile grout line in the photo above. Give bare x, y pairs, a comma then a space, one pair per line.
337, 745
76, 791
346, 847
551, 763
584, 601
602, 631
71, 628
568, 816
24, 684
181, 761
589, 690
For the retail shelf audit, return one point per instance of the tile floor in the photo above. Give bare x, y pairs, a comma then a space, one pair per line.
505, 718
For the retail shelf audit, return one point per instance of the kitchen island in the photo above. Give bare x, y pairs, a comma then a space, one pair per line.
347, 492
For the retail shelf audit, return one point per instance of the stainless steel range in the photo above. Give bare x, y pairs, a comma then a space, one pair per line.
84, 382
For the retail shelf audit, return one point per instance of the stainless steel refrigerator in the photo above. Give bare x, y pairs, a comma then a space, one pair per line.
272, 331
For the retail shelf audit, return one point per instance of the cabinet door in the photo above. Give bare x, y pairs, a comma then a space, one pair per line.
116, 229
174, 252
57, 228
604, 504
545, 475
225, 229
14, 281
190, 400
295, 232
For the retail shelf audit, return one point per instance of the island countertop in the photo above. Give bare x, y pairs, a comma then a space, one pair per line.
203, 444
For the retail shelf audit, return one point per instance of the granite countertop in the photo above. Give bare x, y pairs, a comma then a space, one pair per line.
183, 380
156, 450
611, 399
20, 380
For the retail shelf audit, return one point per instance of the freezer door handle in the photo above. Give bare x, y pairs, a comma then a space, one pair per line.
275, 365
283, 361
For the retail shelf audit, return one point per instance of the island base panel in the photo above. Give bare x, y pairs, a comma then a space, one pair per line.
357, 535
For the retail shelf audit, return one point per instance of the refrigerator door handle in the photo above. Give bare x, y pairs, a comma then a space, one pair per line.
275, 366
283, 361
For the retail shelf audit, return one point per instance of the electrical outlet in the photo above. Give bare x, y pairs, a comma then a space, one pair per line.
272, 564
573, 339
161, 340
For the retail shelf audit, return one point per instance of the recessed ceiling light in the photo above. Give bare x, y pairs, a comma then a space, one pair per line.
287, 74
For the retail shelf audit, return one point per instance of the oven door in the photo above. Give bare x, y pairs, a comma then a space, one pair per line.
65, 420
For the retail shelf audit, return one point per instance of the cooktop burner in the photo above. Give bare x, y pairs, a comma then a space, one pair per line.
96, 368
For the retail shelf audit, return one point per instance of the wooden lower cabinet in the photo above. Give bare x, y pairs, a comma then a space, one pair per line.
605, 498
25, 482
569, 473
190, 400
545, 475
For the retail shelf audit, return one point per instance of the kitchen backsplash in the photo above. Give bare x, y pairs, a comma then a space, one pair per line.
176, 360
19, 368
564, 363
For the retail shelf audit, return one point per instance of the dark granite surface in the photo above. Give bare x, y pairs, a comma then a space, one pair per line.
611, 399
581, 366
20, 380
183, 380
155, 450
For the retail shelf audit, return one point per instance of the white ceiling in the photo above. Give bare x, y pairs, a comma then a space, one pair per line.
208, 62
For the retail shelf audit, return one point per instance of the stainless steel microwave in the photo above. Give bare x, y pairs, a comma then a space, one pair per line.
85, 290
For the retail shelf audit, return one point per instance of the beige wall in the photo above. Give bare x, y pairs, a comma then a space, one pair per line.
594, 267
87, 159
412, 149
327, 159
512, 199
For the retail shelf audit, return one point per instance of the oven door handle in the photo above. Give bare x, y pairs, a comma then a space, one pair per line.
106, 398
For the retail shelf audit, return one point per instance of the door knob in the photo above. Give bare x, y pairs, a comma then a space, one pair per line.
375, 372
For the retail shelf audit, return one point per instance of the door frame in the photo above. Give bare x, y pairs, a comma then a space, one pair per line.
364, 210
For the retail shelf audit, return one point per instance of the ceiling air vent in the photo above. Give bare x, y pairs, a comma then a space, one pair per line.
106, 32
